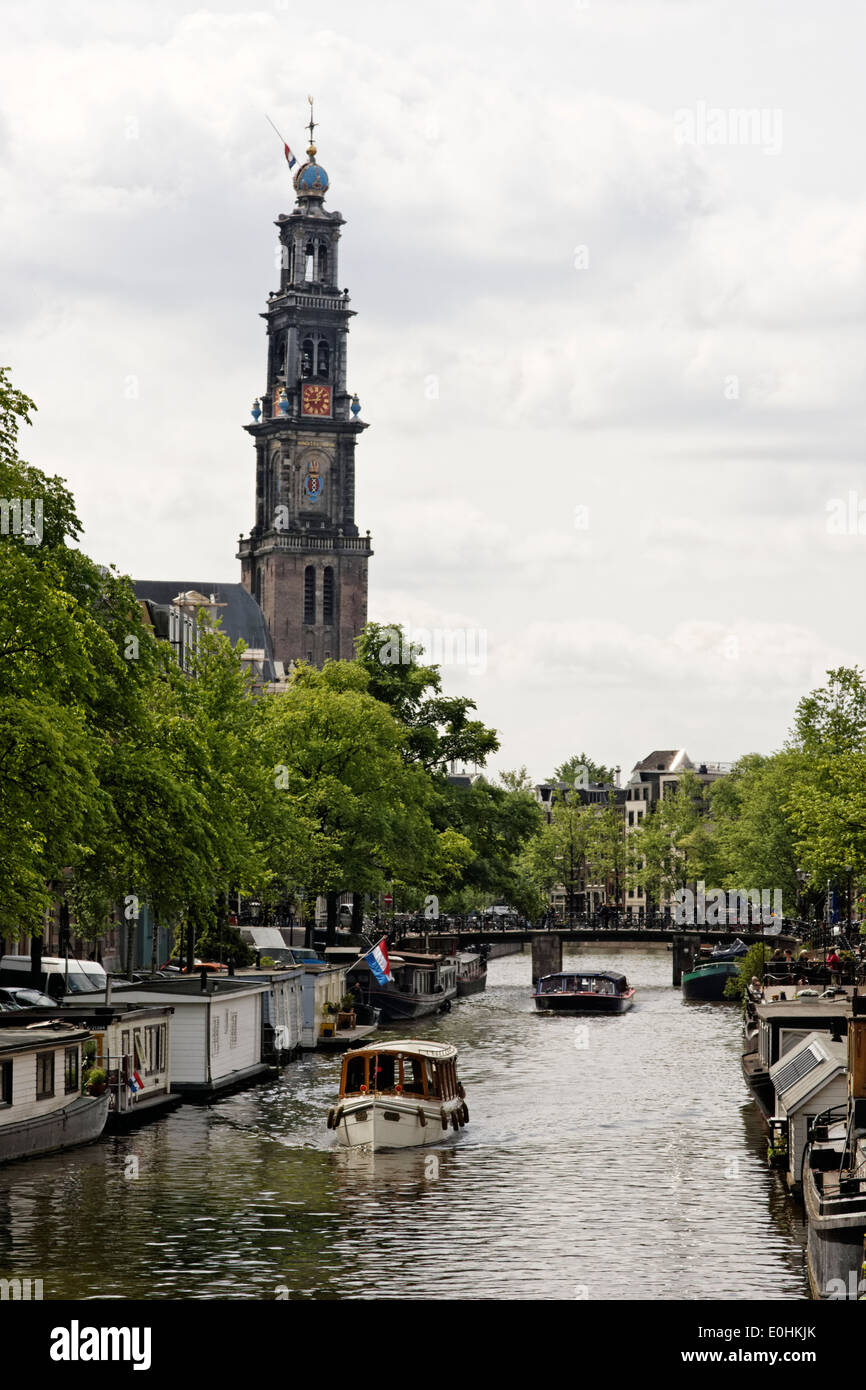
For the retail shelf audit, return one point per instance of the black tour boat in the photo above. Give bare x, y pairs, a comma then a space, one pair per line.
571, 992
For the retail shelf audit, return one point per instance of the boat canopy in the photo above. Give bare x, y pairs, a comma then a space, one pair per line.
437, 1052
619, 981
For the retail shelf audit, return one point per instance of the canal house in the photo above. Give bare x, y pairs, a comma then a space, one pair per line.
216, 1040
809, 1078
42, 1108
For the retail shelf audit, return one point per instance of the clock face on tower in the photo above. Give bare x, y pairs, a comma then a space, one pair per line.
315, 400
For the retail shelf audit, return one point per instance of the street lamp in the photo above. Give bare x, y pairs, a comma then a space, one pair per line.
849, 869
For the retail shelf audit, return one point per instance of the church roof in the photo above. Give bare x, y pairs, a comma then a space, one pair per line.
241, 618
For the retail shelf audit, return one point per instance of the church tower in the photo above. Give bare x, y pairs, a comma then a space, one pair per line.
304, 560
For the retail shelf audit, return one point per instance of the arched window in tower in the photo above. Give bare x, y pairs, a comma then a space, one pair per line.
309, 595
323, 261
291, 261
309, 261
307, 357
258, 588
323, 359
328, 596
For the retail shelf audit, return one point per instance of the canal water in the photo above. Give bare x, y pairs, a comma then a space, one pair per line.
604, 1159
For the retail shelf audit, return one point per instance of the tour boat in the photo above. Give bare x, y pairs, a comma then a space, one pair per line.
571, 992
398, 1096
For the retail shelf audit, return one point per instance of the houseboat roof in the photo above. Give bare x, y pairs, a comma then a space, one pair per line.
28, 1039
89, 1015
776, 1009
807, 1068
437, 1052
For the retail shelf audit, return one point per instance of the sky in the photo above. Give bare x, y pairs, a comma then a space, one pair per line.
608, 265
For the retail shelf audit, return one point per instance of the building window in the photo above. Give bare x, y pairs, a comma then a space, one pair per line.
215, 1035
70, 1070
309, 262
44, 1075
328, 596
323, 262
6, 1083
309, 595
153, 1048
631, 817
323, 359
307, 357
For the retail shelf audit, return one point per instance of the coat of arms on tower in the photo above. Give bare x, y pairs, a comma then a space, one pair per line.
313, 480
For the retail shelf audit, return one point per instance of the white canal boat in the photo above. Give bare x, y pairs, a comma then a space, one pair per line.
398, 1095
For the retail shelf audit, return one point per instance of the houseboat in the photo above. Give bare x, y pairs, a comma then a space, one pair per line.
776, 1021
398, 1096
471, 973
601, 992
41, 1105
422, 984
834, 1182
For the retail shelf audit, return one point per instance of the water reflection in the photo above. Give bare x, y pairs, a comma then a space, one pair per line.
608, 1158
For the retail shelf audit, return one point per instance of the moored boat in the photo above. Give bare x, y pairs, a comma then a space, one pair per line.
422, 984
471, 973
708, 979
573, 992
399, 1095
41, 1105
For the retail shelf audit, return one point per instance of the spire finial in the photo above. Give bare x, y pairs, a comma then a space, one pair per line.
311, 127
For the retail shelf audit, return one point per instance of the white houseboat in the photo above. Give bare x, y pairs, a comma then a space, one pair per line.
41, 1105
398, 1095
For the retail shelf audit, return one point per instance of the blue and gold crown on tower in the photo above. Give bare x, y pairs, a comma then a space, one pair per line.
311, 181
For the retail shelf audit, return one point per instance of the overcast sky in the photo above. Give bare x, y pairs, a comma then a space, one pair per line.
610, 334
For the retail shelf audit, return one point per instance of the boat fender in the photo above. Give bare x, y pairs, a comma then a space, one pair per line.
338, 1115
422, 1117
465, 1113
444, 1118
461, 1091
446, 1007
331, 1118
455, 1123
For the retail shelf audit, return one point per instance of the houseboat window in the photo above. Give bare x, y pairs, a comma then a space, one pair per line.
413, 1077
44, 1075
356, 1075
382, 1077
124, 1042
6, 1083
153, 1047
70, 1070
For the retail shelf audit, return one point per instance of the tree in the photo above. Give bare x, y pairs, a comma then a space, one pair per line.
557, 855
672, 843
580, 769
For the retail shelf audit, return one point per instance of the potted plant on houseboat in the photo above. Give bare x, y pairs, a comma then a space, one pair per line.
346, 1012
96, 1082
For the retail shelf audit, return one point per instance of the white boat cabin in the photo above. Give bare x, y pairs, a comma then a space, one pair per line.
427, 1071
40, 1070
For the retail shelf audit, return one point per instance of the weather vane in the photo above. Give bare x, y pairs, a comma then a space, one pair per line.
313, 124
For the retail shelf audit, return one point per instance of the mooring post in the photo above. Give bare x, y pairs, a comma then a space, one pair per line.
678, 955
546, 956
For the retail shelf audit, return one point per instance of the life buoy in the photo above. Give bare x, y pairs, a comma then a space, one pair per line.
465, 1113
444, 1118
422, 1117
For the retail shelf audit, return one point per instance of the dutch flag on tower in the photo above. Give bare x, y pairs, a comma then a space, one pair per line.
377, 959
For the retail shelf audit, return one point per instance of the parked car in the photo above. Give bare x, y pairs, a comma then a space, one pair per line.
26, 999
59, 976
178, 966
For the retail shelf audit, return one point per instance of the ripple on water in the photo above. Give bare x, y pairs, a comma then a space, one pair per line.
605, 1158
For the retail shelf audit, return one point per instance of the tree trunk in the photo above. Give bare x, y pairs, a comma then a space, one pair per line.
154, 947
331, 937
357, 913
190, 944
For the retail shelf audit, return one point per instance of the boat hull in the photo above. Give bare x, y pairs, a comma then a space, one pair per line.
395, 1005
473, 986
709, 982
584, 1003
80, 1122
395, 1122
834, 1249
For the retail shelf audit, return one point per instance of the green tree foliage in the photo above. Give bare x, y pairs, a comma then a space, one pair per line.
579, 769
